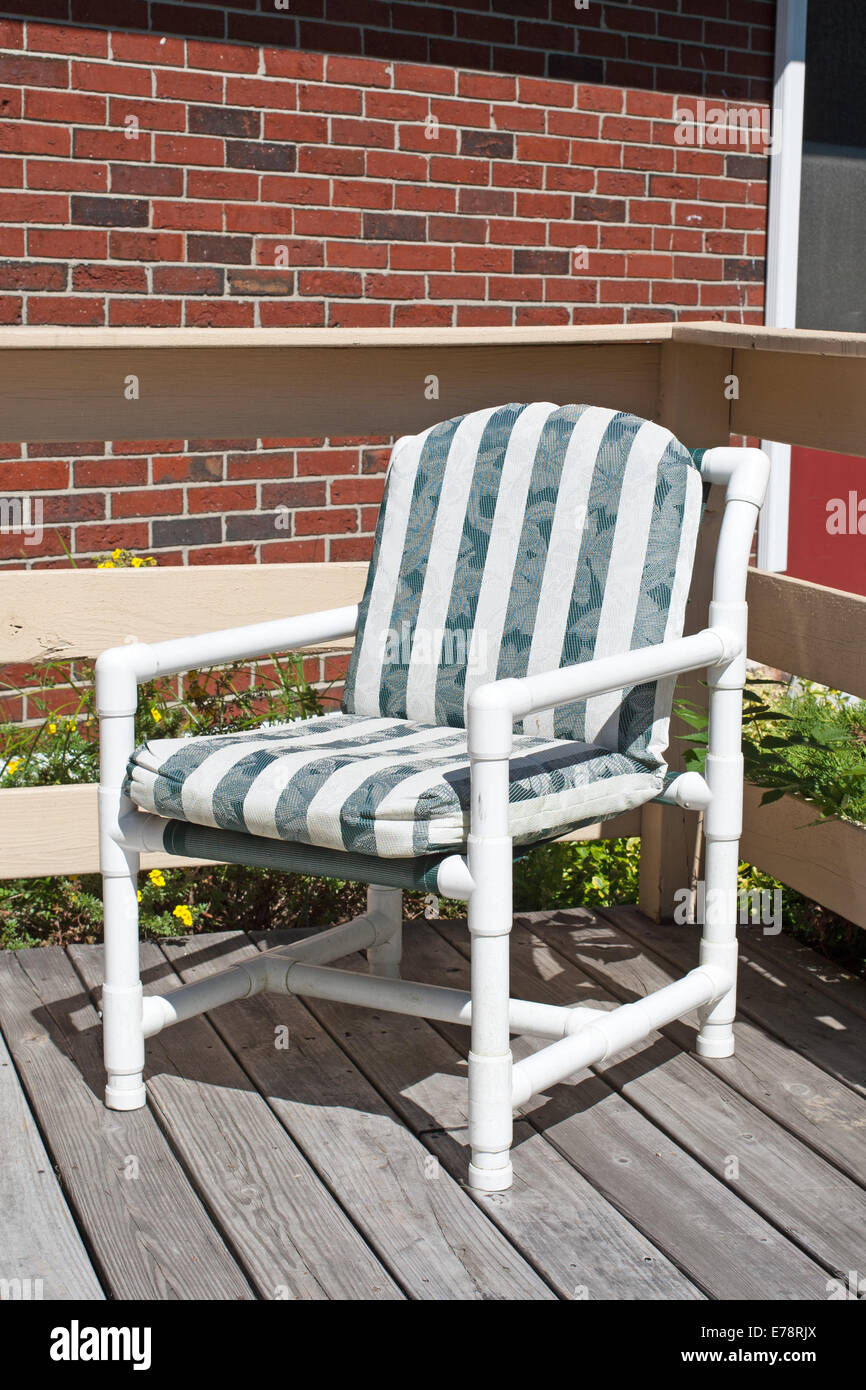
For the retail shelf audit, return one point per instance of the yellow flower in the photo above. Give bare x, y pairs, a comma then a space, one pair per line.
52, 728
116, 554
137, 562
105, 565
14, 765
70, 723
155, 715
157, 878
138, 895
183, 912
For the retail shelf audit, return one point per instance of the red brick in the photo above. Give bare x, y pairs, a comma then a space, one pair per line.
109, 77
110, 472
110, 279
347, 100
393, 286
423, 315
104, 537
27, 207
281, 62
151, 501
68, 175
413, 77
148, 48
189, 86
146, 313
330, 522
361, 72
11, 33
78, 242
219, 314
146, 246
70, 108
221, 499
599, 98
35, 475
188, 149
151, 115
542, 93
222, 57
660, 104
21, 71
187, 216
276, 313
60, 310
486, 86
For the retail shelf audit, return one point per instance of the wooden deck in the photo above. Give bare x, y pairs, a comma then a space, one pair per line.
327, 1163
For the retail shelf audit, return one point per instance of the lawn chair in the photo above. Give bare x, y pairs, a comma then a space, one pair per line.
515, 654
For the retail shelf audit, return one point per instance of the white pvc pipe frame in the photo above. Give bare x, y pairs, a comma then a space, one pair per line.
581, 1036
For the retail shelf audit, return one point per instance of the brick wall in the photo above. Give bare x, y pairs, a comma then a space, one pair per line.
344, 164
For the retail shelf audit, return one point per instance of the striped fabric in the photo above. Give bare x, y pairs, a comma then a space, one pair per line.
376, 785
519, 539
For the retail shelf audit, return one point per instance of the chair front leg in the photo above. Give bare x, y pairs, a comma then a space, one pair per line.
122, 1033
490, 916
723, 820
122, 1025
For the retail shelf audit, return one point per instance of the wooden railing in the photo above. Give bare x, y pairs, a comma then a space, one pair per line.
705, 382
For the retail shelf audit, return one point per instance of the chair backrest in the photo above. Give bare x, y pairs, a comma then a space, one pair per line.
519, 539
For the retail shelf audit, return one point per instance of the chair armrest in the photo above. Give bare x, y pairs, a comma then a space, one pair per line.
494, 707
120, 669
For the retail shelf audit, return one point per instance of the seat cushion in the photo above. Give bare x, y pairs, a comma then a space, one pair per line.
519, 539
375, 785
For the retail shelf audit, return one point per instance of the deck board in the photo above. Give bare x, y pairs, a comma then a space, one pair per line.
292, 1238
41, 1244
427, 1230
726, 1247
573, 1235
824, 1211
148, 1231
335, 1169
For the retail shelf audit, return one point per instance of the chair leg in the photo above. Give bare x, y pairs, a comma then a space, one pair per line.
722, 828
384, 958
123, 1036
490, 1080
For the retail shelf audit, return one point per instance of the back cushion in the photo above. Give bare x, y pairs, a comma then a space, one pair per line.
519, 539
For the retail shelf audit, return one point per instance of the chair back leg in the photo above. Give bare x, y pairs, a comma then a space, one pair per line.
490, 909
123, 1033
384, 958
723, 820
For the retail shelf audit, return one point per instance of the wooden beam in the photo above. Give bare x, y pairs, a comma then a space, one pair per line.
292, 386
52, 830
813, 399
808, 630
49, 615
760, 339
826, 862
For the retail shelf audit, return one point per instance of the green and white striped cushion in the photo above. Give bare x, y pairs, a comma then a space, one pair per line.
519, 539
375, 785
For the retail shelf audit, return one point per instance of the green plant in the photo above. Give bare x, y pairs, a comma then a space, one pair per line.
810, 743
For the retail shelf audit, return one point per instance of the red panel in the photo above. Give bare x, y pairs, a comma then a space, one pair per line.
827, 527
